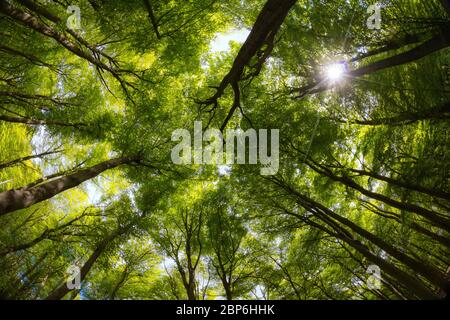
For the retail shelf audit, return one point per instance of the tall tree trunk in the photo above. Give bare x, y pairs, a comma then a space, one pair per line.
227, 287
267, 23
410, 282
16, 199
191, 286
62, 290
152, 18
263, 33
223, 272
119, 284
406, 280
334, 220
433, 235
431, 216
390, 45
430, 273
38, 26
413, 225
405, 185
433, 45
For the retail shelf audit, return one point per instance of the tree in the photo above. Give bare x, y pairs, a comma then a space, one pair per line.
87, 117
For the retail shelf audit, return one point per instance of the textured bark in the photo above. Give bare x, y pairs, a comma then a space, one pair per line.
62, 290
267, 24
16, 199
151, 17
263, 33
119, 284
406, 280
405, 185
431, 216
44, 12
38, 26
336, 221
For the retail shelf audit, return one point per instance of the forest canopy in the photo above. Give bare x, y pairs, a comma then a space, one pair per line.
312, 140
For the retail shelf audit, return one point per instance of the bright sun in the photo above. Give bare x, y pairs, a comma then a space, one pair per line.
335, 71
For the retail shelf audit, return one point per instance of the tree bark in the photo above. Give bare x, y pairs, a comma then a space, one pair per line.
62, 290
36, 25
433, 45
151, 17
191, 286
16, 199
268, 22
334, 220
430, 273
119, 284
263, 32
431, 216
406, 280
405, 185
415, 226
44, 12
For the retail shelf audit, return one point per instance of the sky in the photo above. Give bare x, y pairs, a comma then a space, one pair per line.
221, 41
